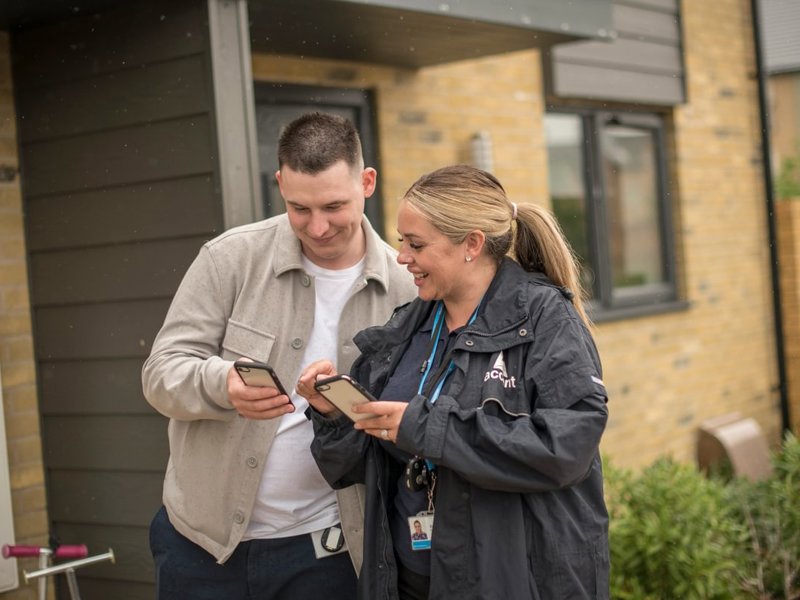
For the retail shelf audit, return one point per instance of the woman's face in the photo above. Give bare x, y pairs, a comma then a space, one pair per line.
435, 262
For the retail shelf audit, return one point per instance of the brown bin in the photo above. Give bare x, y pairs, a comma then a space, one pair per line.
737, 440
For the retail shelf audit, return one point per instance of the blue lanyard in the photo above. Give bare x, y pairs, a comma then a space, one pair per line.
438, 323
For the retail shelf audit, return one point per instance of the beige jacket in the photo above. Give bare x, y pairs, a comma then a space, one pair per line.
246, 294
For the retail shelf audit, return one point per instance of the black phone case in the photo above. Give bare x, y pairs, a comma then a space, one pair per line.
259, 374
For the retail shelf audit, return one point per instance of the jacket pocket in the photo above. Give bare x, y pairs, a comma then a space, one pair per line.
574, 575
244, 341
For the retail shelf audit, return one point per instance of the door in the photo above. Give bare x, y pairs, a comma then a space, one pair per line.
279, 104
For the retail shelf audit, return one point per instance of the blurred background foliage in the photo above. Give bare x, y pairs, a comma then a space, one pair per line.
676, 533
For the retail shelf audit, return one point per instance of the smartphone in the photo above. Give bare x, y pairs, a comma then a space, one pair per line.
259, 374
343, 392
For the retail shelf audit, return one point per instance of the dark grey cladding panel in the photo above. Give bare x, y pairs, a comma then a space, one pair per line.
780, 35
643, 64
418, 33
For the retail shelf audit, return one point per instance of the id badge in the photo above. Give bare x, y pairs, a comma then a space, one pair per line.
420, 527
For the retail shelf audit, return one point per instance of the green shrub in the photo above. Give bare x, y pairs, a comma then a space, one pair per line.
672, 535
787, 183
769, 560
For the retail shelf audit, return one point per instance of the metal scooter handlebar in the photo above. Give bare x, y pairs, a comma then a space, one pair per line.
69, 566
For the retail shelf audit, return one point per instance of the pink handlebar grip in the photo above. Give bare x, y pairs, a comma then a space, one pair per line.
63, 551
20, 550
71, 551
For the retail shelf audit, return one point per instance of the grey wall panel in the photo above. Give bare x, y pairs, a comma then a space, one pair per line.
97, 387
112, 273
129, 36
641, 23
780, 35
119, 169
664, 5
105, 497
163, 150
642, 65
625, 86
625, 54
135, 213
98, 331
146, 94
131, 547
106, 443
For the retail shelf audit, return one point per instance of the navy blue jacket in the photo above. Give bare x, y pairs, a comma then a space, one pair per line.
514, 434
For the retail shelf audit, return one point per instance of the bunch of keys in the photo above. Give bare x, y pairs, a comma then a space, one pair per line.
418, 476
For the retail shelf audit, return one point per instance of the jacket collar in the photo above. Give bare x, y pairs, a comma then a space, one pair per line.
289, 253
505, 304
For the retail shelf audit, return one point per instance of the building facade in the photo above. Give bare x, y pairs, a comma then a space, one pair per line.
126, 152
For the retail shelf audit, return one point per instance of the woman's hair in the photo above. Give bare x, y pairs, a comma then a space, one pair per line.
315, 141
459, 199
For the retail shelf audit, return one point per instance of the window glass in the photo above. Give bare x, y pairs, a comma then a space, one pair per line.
632, 202
567, 181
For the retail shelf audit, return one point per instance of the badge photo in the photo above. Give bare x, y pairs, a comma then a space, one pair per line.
420, 527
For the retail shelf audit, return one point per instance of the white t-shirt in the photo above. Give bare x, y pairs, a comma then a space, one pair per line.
293, 497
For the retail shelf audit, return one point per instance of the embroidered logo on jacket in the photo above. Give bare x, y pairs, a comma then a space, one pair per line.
498, 371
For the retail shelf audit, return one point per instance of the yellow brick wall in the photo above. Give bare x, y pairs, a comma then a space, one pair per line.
788, 219
16, 348
667, 373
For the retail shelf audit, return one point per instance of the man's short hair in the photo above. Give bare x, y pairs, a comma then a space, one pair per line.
315, 141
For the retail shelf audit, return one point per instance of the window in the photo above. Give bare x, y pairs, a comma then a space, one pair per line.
606, 177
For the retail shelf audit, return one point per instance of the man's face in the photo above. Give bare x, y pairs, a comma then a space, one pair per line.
325, 212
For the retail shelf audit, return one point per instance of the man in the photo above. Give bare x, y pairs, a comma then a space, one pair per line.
246, 511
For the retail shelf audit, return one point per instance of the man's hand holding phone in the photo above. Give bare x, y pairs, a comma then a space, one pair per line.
255, 391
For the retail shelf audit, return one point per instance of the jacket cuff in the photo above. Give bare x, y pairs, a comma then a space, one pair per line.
336, 420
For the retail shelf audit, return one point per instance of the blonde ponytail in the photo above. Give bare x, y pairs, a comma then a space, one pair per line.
540, 245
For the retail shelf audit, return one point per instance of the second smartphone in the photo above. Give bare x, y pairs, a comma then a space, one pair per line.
343, 393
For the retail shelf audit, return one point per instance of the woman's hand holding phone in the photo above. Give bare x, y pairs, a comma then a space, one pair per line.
383, 418
264, 398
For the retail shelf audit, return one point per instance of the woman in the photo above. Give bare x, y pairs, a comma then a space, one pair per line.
490, 412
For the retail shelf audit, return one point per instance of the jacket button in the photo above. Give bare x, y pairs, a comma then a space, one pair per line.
469, 343
297, 343
238, 517
305, 280
252, 462
523, 332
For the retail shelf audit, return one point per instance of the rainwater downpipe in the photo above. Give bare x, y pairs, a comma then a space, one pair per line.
763, 109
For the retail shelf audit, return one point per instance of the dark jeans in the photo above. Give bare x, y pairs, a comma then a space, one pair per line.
278, 569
